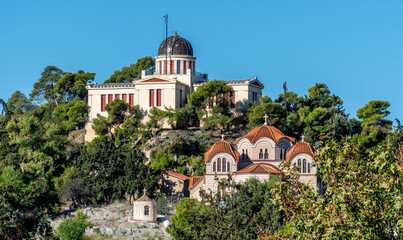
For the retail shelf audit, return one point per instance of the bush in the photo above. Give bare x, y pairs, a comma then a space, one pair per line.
73, 228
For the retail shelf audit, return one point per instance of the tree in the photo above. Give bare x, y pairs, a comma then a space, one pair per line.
18, 103
163, 160
73, 85
72, 113
215, 94
110, 172
265, 106
126, 74
362, 199
44, 87
238, 214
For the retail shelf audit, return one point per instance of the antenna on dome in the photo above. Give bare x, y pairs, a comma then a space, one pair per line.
285, 98
166, 42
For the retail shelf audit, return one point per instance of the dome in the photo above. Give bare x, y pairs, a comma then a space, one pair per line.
177, 45
265, 131
300, 147
221, 146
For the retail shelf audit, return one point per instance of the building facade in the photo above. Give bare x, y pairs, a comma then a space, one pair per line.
175, 77
258, 154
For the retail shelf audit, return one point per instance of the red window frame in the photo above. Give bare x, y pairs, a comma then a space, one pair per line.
158, 97
151, 100
110, 98
172, 67
124, 98
131, 100
233, 100
103, 102
117, 96
165, 67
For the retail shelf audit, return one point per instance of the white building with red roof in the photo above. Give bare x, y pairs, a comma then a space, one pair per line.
258, 154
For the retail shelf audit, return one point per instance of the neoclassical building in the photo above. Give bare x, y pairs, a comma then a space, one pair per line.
258, 154
175, 77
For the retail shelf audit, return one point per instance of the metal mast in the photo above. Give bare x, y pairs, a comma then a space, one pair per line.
285, 98
166, 44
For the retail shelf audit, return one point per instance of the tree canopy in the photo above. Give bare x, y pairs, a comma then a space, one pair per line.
133, 71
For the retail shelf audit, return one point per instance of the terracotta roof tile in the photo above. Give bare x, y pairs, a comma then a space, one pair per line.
265, 131
221, 146
195, 180
300, 147
144, 198
178, 175
260, 168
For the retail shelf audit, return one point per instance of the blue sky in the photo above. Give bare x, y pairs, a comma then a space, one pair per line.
355, 47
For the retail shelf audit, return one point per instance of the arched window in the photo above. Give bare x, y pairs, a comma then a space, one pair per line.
266, 154
214, 167
304, 166
309, 168
219, 165
281, 154
246, 157
146, 210
299, 165
228, 167
243, 154
261, 154
224, 164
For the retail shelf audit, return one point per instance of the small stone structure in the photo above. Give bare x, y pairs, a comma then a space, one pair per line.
144, 209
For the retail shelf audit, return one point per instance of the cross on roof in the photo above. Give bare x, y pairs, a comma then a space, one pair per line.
222, 136
144, 190
303, 138
265, 119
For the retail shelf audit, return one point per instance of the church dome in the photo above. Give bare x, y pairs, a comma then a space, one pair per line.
265, 131
176, 45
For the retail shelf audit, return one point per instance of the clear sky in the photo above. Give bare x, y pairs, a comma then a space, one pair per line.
355, 47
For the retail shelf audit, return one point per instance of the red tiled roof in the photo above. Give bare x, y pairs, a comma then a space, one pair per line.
300, 147
221, 146
144, 198
178, 175
265, 131
260, 168
195, 180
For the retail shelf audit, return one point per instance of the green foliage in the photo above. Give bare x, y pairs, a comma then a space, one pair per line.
73, 228
163, 161
229, 215
163, 206
73, 85
72, 113
363, 190
44, 87
126, 74
27, 222
273, 109
109, 172
18, 104
216, 94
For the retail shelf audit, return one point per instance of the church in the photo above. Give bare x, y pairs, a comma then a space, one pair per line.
175, 77
258, 154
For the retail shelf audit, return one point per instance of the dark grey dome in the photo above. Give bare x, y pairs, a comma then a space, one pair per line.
176, 46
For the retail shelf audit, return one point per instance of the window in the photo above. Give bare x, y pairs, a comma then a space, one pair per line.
299, 165
110, 98
184, 67
117, 96
160, 67
261, 154
243, 154
131, 100
151, 100
172, 68
103, 101
283, 153
304, 166
266, 154
309, 168
214, 167
224, 164
233, 100
158, 97
146, 210
247, 156
124, 98
228, 167
165, 67
219, 165
178, 67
